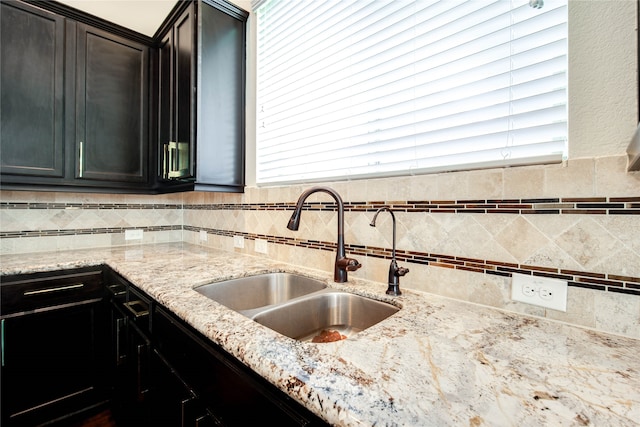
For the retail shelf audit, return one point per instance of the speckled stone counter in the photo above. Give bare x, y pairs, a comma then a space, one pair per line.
437, 362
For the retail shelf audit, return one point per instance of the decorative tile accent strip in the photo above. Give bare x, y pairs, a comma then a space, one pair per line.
36, 205
580, 279
568, 206
74, 232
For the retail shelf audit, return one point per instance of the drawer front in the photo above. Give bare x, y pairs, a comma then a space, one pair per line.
28, 293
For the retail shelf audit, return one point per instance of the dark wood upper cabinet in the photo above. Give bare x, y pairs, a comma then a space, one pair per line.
75, 101
220, 154
201, 103
176, 101
111, 118
184, 40
82, 99
32, 91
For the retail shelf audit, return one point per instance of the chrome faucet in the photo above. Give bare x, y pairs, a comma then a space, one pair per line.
394, 271
342, 264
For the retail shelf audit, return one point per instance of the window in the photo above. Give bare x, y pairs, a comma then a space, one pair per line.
360, 88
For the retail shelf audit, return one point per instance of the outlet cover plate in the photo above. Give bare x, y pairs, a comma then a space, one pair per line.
261, 246
238, 242
541, 291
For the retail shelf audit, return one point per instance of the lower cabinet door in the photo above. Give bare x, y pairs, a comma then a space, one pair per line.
51, 365
171, 401
233, 395
132, 374
111, 108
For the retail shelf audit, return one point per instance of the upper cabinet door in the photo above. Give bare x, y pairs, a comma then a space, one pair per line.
221, 98
31, 88
184, 77
176, 100
111, 107
166, 96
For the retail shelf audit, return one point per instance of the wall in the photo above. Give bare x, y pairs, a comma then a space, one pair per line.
461, 234
603, 94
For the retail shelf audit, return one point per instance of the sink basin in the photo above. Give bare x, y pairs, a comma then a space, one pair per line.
306, 317
251, 292
297, 306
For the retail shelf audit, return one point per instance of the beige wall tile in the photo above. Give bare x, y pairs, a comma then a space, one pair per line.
525, 182
580, 308
521, 239
612, 179
619, 313
574, 178
486, 184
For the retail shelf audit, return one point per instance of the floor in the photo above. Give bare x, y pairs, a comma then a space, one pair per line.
102, 419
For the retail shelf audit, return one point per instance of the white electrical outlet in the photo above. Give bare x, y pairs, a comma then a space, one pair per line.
238, 242
203, 235
261, 246
133, 234
541, 291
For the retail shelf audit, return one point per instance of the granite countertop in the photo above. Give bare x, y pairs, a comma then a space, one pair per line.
437, 362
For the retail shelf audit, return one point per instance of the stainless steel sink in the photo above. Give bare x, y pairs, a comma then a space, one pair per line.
297, 306
251, 292
306, 317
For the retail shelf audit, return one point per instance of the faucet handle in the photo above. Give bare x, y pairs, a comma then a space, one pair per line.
401, 271
349, 264
353, 265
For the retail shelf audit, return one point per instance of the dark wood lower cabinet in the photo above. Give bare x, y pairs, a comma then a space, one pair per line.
49, 366
54, 340
186, 380
130, 352
232, 393
174, 402
82, 346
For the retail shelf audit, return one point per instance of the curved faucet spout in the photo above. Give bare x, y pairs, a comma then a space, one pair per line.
342, 264
393, 218
394, 271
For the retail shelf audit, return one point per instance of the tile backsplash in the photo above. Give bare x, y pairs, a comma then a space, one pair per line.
42, 221
460, 234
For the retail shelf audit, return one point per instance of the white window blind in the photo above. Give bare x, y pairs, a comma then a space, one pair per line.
360, 88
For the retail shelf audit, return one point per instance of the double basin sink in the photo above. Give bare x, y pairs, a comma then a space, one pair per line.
298, 307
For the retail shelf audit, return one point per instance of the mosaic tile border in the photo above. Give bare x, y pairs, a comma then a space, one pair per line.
566, 205
558, 206
36, 205
580, 279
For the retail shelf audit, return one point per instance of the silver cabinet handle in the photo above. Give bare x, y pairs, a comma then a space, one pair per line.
173, 157
175, 162
81, 160
131, 306
121, 357
117, 290
184, 411
48, 290
2, 342
142, 389
166, 161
